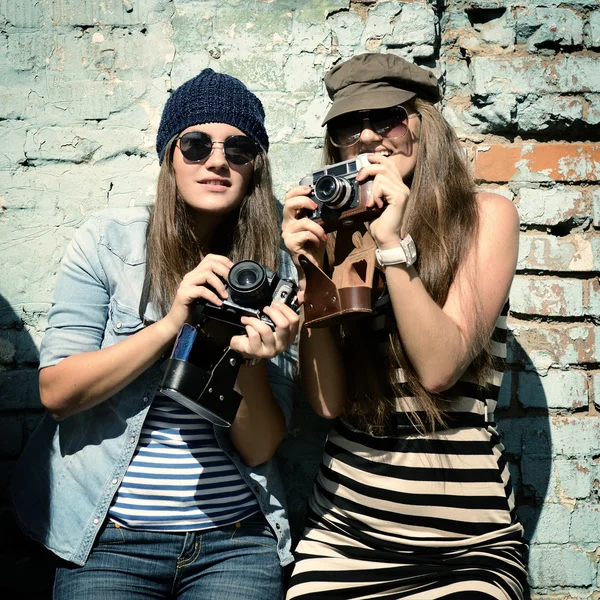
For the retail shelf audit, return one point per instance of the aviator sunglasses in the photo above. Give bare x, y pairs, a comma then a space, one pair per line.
345, 130
197, 146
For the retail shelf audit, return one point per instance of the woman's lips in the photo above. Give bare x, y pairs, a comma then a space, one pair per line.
215, 185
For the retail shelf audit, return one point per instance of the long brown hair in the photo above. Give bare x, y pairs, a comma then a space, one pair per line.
442, 218
173, 249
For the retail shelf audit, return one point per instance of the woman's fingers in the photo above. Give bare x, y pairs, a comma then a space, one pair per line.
215, 263
299, 232
261, 341
297, 208
213, 271
298, 191
197, 292
284, 317
286, 323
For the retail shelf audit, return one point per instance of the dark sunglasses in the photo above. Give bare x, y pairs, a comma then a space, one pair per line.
197, 146
345, 130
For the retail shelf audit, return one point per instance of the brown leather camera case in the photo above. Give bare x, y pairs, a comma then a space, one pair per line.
348, 292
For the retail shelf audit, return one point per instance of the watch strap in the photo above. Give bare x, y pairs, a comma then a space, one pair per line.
405, 253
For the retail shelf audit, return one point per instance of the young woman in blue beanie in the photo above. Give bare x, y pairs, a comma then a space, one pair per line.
140, 496
413, 498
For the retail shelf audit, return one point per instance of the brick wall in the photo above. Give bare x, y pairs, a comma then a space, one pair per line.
523, 86
82, 84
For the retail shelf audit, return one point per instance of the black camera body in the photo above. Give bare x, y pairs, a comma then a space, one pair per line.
202, 369
250, 286
341, 200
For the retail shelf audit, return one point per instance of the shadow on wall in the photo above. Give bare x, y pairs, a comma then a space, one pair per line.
299, 457
26, 569
524, 426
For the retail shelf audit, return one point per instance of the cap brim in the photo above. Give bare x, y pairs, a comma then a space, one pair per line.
371, 99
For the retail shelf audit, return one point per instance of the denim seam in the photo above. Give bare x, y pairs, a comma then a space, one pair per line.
238, 541
98, 244
121, 541
197, 549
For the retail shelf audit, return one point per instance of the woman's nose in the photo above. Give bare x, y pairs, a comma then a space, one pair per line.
217, 158
367, 135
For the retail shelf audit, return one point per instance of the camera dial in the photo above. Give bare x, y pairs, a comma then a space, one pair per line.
335, 192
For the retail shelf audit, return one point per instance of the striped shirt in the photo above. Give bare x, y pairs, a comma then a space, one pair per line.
179, 478
416, 515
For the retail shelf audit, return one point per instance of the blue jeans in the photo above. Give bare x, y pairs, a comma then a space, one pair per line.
235, 562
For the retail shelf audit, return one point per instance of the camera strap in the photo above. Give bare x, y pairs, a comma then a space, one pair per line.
144, 297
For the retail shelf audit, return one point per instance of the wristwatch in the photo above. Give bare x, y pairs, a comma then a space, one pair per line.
405, 253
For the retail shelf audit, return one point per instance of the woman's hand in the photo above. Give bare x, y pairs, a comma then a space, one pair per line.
260, 340
302, 235
388, 189
212, 271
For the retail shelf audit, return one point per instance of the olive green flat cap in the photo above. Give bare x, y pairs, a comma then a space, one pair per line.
374, 80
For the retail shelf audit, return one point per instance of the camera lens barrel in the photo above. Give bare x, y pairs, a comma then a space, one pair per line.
249, 284
333, 191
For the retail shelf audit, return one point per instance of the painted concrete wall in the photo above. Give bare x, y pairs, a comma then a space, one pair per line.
82, 83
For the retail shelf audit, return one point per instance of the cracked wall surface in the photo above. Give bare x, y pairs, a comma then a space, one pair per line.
82, 85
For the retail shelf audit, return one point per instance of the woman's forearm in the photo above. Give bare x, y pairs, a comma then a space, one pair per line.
440, 342
322, 371
259, 425
84, 380
435, 344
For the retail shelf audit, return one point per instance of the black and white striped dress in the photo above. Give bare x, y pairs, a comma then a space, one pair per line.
416, 516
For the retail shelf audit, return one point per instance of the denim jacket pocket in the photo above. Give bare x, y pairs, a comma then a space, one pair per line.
121, 323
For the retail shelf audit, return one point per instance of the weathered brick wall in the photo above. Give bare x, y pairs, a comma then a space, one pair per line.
523, 90
82, 84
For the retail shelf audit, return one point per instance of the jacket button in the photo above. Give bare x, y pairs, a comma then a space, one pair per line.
96, 521
145, 398
115, 481
132, 439
256, 489
119, 325
277, 526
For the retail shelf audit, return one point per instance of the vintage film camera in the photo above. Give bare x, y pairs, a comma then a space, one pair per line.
341, 199
353, 284
202, 369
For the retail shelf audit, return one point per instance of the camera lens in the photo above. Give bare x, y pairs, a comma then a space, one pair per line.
249, 284
246, 278
333, 191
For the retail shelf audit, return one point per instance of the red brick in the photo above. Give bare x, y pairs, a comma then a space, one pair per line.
538, 162
496, 163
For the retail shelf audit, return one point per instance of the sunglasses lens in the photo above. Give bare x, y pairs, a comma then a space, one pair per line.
386, 122
195, 145
345, 130
240, 150
390, 122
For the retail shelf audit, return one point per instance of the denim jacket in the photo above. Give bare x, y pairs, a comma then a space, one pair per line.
70, 470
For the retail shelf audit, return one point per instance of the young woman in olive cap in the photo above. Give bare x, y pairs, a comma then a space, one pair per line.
140, 496
413, 498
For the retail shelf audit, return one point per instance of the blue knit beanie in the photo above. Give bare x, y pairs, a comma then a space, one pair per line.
212, 98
